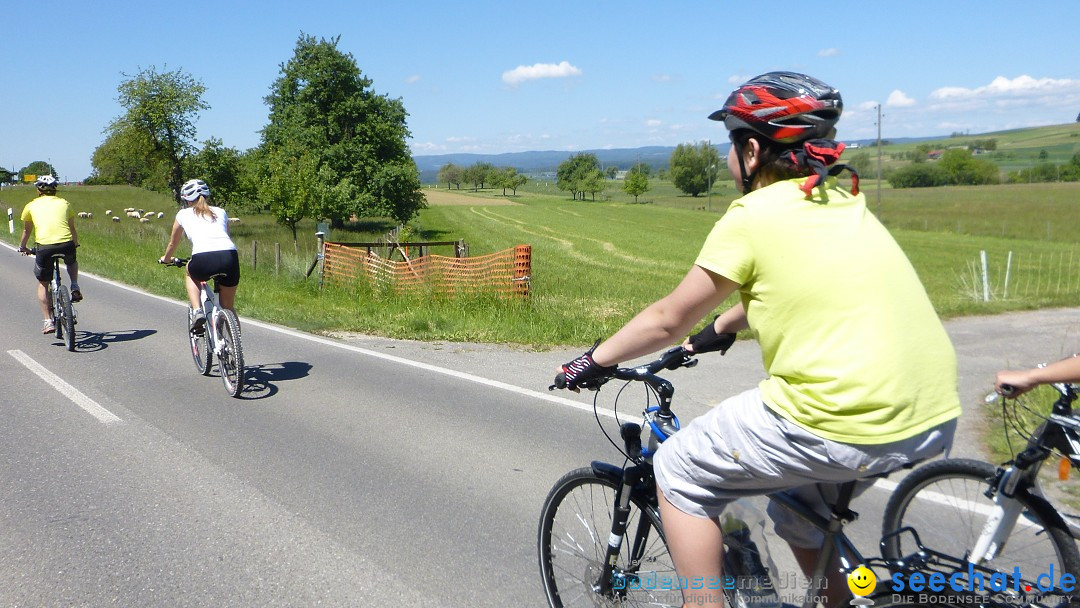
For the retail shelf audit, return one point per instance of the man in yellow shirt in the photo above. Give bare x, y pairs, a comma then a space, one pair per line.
53, 223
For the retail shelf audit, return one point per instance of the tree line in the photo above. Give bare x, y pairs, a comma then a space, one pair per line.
332, 149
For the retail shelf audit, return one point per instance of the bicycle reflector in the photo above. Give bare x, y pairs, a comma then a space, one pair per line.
1063, 468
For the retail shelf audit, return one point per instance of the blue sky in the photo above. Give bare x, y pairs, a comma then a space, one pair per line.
491, 77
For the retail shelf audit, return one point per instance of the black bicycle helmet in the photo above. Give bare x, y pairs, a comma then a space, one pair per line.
786, 107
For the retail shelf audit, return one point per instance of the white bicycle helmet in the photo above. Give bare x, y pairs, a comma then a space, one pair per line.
46, 182
193, 189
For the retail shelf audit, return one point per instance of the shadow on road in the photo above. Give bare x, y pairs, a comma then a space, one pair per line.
88, 341
260, 380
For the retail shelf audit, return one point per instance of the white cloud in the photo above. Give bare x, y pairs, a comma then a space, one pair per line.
830, 52
663, 78
524, 73
415, 78
1021, 86
897, 99
652, 123
867, 105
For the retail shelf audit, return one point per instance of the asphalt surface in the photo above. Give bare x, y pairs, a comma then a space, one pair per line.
353, 471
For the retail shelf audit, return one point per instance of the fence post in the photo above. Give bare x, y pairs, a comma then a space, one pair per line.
985, 279
1008, 267
10, 221
254, 253
277, 258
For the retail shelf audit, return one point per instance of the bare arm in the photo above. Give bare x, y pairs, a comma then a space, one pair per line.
1066, 370
174, 241
668, 320
28, 227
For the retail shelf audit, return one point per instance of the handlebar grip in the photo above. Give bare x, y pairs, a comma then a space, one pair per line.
1008, 390
560, 382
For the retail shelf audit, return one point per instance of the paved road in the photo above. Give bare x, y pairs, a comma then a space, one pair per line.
354, 471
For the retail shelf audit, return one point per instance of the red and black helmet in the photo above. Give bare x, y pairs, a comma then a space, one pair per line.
785, 107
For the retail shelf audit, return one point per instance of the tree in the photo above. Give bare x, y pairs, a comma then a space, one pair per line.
127, 157
324, 107
611, 172
221, 168
162, 107
508, 177
451, 174
636, 183
38, 167
694, 167
577, 174
918, 175
479, 174
962, 169
290, 186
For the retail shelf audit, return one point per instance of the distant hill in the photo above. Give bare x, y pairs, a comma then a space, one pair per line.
534, 163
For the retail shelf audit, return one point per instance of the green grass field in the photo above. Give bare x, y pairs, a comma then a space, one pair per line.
595, 264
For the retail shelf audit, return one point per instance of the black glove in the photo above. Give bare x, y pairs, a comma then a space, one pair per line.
707, 340
583, 372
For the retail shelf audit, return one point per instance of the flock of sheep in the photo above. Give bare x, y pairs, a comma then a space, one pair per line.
136, 214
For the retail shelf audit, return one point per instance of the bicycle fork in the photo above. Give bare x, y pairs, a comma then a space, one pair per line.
610, 580
1002, 519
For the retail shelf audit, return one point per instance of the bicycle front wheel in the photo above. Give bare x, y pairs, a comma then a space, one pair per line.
231, 355
575, 524
201, 353
65, 318
946, 503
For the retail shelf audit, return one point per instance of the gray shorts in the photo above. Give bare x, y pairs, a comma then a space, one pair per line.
742, 448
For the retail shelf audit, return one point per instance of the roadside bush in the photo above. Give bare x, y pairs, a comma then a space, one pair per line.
918, 175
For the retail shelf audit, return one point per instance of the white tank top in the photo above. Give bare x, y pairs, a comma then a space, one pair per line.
206, 234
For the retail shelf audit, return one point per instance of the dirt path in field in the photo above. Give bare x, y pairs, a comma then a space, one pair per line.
442, 196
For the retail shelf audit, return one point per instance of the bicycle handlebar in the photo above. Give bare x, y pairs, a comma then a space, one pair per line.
178, 262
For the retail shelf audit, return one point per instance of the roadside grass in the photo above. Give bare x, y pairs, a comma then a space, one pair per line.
595, 264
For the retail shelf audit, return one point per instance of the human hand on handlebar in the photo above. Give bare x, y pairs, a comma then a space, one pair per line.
583, 372
708, 341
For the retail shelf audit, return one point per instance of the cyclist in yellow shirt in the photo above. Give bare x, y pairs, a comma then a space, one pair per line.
53, 223
861, 374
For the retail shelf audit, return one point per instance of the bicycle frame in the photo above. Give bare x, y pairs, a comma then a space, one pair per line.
1061, 432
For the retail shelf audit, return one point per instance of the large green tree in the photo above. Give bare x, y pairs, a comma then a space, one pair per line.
127, 157
636, 182
222, 168
580, 174
38, 167
451, 174
323, 107
693, 167
162, 107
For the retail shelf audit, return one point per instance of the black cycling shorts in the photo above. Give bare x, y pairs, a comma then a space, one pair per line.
43, 265
202, 266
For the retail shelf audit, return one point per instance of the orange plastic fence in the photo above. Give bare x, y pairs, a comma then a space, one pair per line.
506, 273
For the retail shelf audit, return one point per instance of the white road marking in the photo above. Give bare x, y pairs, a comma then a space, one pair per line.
103, 415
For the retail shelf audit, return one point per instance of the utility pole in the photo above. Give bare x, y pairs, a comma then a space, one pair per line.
879, 162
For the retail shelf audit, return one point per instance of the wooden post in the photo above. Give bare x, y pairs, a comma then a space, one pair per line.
277, 258
254, 253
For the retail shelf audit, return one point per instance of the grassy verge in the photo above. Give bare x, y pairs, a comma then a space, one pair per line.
595, 264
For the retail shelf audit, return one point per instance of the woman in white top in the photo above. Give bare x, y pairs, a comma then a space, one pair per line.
212, 250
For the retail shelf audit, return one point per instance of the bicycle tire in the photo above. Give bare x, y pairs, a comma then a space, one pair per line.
201, 353
64, 318
231, 357
952, 509
575, 524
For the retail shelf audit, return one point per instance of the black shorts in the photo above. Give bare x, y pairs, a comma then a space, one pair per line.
43, 264
202, 266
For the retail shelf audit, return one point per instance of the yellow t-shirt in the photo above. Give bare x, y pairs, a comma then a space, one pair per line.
853, 347
50, 215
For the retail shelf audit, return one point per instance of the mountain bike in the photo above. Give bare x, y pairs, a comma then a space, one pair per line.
601, 541
218, 336
63, 313
997, 516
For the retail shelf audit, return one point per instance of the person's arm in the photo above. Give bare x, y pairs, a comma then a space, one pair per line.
174, 242
668, 320
28, 227
1066, 370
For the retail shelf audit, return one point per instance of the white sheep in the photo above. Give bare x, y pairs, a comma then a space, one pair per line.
129, 210
82, 214
234, 220
133, 215
108, 212
143, 220
160, 215
148, 214
89, 216
116, 218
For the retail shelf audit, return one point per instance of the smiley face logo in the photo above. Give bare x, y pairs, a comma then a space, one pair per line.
862, 581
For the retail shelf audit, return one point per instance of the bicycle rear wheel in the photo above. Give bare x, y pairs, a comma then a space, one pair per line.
575, 524
201, 352
65, 318
946, 503
231, 355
